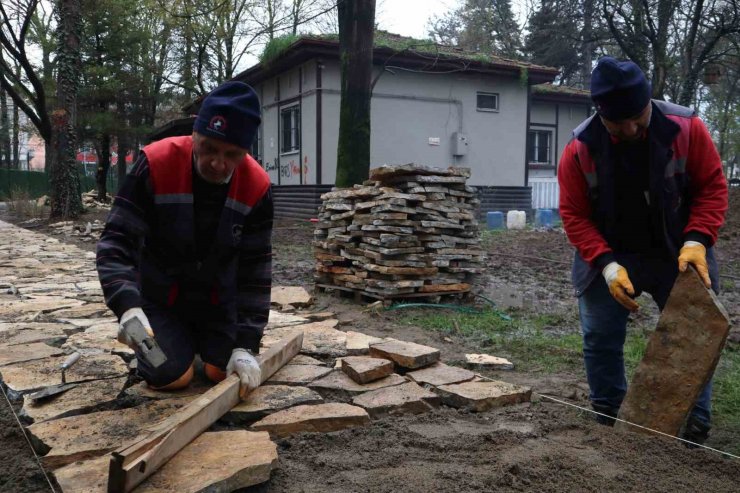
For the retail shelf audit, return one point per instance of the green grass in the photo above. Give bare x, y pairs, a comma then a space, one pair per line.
726, 393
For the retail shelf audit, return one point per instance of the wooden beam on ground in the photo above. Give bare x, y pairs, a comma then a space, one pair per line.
133, 463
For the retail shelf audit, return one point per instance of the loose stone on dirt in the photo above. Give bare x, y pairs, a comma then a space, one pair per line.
267, 399
408, 398
317, 418
440, 374
483, 395
364, 369
488, 361
405, 354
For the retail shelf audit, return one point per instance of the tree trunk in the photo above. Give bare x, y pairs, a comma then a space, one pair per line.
356, 30
15, 140
123, 148
4, 131
587, 49
103, 166
66, 201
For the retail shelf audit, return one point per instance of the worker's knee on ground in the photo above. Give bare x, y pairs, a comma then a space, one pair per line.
179, 382
214, 373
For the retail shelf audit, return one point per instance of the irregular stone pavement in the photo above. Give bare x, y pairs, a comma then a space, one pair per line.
51, 305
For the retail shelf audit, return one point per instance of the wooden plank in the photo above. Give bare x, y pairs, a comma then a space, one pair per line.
133, 463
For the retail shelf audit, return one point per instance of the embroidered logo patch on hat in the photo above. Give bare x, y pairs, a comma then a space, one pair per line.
218, 124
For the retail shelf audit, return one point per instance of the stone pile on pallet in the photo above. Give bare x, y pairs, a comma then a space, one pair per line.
408, 231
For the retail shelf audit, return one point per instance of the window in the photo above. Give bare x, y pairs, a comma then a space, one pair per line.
487, 101
256, 144
539, 147
290, 129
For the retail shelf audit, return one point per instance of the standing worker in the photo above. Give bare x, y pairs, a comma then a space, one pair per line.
642, 196
187, 247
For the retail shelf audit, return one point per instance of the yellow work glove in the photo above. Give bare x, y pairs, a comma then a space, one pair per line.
695, 253
620, 285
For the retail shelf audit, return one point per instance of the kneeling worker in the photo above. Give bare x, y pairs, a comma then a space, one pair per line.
187, 248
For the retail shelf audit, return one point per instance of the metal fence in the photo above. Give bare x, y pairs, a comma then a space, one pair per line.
34, 184
545, 193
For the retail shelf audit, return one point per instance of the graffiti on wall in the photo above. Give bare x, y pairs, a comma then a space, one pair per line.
288, 169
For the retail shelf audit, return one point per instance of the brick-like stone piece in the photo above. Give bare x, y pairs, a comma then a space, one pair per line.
319, 338
440, 374
338, 384
318, 418
483, 395
26, 333
405, 354
277, 320
680, 358
75, 400
215, 461
19, 353
298, 374
302, 359
408, 398
267, 399
90, 435
358, 344
488, 361
364, 369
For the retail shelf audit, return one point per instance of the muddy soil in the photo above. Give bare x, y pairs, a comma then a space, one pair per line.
542, 446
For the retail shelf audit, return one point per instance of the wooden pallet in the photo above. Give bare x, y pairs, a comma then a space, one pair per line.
359, 295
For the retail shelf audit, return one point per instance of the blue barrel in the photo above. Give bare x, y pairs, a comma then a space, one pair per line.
495, 220
543, 218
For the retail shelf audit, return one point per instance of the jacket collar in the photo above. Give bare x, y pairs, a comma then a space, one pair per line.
661, 130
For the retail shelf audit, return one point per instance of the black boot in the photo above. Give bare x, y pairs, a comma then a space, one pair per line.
695, 431
611, 413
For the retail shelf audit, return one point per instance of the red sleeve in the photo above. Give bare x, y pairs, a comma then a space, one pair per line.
707, 184
575, 208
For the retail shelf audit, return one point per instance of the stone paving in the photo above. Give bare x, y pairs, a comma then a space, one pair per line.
51, 305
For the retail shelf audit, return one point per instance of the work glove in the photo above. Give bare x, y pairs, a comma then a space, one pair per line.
620, 285
244, 364
123, 336
695, 253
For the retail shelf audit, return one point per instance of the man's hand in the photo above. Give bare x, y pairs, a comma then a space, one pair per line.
244, 364
123, 336
695, 253
620, 285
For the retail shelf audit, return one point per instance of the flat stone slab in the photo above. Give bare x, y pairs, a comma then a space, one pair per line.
77, 400
14, 310
90, 435
88, 343
408, 398
339, 384
364, 369
298, 374
302, 359
19, 353
488, 361
483, 395
90, 310
35, 375
26, 333
322, 418
278, 319
440, 374
405, 354
295, 296
218, 461
319, 338
267, 399
358, 344
680, 357
142, 389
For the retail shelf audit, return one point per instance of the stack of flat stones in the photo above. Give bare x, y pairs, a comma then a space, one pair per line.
51, 305
408, 230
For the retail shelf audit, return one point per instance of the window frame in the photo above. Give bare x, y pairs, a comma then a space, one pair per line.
478, 94
532, 139
295, 146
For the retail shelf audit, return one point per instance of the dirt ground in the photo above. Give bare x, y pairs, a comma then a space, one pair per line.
540, 446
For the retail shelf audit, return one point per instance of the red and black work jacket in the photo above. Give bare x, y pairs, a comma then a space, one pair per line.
687, 189
148, 248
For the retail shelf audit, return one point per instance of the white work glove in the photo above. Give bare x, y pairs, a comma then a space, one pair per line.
244, 364
123, 337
